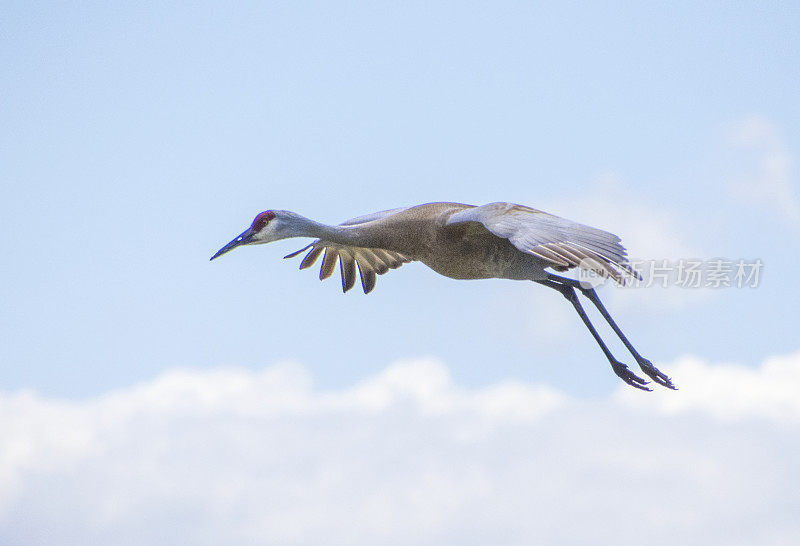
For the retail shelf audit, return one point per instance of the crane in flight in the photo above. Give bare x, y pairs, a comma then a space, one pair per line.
498, 240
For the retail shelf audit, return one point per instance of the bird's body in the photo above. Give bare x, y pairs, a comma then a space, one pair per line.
464, 250
457, 241
498, 240
420, 233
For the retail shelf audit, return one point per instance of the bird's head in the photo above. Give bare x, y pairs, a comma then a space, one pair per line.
268, 226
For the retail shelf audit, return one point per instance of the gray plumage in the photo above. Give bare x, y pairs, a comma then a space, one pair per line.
498, 240
478, 235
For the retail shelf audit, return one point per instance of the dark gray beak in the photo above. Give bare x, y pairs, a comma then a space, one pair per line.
245, 237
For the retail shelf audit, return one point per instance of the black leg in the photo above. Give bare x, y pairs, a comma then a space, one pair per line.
619, 368
647, 367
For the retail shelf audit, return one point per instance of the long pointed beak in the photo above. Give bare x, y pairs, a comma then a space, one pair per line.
242, 239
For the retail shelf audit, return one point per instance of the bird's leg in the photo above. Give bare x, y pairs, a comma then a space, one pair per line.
647, 367
619, 368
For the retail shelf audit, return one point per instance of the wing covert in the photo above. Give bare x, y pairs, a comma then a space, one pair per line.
562, 243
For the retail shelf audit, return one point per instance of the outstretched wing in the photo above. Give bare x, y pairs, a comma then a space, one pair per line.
561, 243
370, 261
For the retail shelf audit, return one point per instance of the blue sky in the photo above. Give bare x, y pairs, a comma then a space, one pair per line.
137, 139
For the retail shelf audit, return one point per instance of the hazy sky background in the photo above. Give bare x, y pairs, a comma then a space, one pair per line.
137, 139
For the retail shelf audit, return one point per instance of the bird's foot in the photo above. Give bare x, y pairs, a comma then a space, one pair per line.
628, 376
655, 374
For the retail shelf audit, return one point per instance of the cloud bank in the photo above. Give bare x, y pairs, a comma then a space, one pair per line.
234, 456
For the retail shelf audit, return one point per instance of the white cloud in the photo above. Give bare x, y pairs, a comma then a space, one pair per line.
731, 391
232, 456
769, 184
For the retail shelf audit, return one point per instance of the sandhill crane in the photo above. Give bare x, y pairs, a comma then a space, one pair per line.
498, 240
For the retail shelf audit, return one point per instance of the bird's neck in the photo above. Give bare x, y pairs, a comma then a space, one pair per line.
343, 235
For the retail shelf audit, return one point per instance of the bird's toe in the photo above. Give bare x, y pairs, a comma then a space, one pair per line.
628, 376
655, 374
